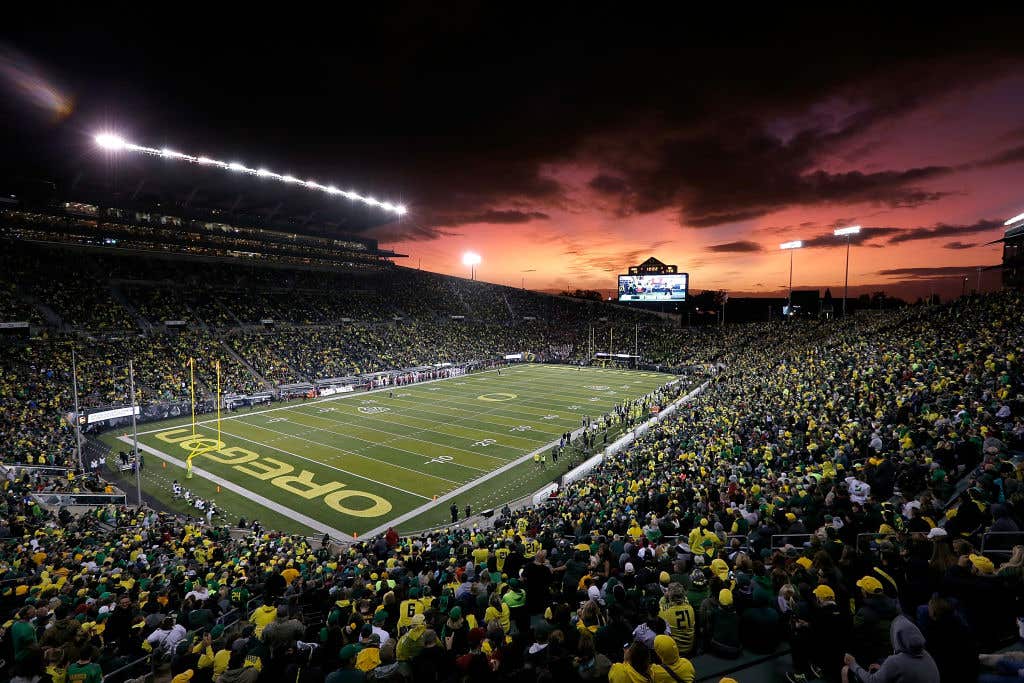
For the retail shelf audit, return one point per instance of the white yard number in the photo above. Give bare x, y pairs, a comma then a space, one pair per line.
443, 459
370, 410
485, 442
402, 395
596, 387
625, 386
327, 410
521, 428
574, 407
433, 388
550, 417
594, 398
368, 401
276, 419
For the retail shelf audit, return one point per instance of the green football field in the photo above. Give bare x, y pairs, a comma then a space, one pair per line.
355, 463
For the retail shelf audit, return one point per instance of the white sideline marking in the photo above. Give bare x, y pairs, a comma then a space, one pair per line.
246, 493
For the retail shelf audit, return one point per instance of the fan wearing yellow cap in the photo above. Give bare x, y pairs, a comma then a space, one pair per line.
870, 637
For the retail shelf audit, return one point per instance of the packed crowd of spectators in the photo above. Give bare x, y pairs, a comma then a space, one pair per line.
806, 500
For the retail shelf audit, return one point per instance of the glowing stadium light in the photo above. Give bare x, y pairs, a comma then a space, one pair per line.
1016, 219
110, 141
114, 142
852, 230
795, 244
471, 259
171, 154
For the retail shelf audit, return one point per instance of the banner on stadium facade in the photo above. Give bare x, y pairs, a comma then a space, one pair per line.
114, 413
14, 325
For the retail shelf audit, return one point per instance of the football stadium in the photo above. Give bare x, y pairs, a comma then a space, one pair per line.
435, 383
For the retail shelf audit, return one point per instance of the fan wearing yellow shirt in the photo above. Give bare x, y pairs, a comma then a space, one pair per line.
500, 555
677, 612
532, 548
409, 608
498, 611
290, 574
481, 555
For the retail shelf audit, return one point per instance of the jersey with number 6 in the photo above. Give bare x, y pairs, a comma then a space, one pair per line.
407, 610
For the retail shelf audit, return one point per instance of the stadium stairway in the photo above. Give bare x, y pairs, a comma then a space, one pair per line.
49, 315
231, 352
120, 298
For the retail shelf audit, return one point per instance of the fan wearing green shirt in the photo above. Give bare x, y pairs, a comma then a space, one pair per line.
84, 670
23, 634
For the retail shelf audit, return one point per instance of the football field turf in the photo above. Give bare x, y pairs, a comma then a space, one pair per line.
356, 462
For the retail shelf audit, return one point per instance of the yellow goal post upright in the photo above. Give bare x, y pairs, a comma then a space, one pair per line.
198, 449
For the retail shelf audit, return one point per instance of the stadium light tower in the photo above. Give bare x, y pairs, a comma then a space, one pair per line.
112, 142
791, 247
471, 259
847, 232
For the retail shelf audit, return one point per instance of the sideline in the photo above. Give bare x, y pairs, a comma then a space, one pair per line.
476, 482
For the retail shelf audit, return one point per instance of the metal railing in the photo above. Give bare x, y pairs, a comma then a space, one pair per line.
80, 498
990, 537
130, 670
782, 540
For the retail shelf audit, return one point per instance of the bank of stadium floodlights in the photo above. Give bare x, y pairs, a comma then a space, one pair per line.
115, 143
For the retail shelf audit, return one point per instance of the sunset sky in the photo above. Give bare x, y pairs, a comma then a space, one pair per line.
565, 147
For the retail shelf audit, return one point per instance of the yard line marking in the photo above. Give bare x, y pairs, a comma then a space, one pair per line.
372, 443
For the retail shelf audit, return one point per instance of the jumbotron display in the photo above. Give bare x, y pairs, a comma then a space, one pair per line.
667, 287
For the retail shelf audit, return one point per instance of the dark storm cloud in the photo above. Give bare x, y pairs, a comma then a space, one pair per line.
740, 247
608, 184
938, 271
737, 171
1013, 155
463, 109
945, 230
494, 216
960, 245
866, 234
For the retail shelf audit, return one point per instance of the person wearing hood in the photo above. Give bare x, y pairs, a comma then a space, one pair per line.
237, 671
411, 644
909, 663
673, 668
390, 670
264, 615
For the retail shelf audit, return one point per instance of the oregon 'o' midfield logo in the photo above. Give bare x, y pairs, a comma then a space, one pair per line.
497, 396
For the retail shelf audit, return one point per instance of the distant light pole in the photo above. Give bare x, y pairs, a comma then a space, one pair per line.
848, 232
471, 259
135, 435
528, 270
963, 288
791, 247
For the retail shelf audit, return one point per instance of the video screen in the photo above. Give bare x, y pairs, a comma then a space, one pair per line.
653, 287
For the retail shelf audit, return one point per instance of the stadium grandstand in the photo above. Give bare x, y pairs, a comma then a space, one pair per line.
406, 476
